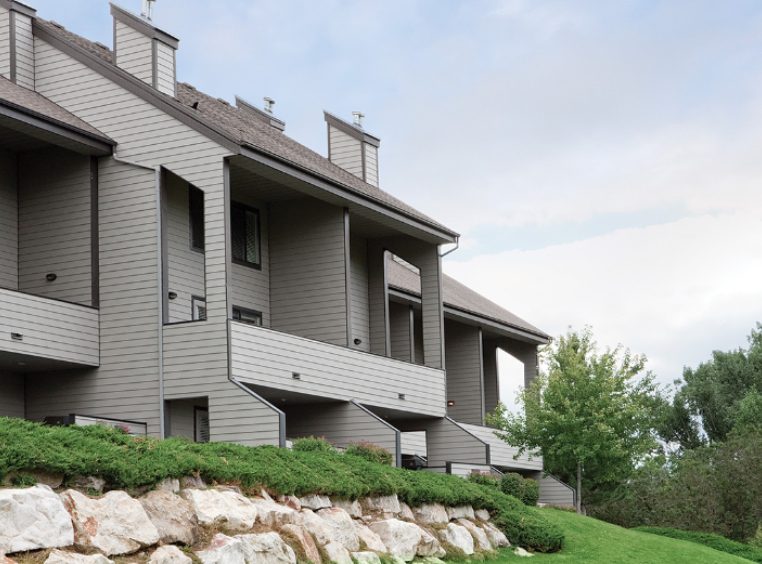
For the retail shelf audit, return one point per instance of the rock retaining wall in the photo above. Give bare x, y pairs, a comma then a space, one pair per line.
174, 525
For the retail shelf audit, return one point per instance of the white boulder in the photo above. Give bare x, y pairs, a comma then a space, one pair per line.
352, 507
298, 536
274, 514
366, 558
223, 550
266, 548
482, 514
518, 551
222, 506
169, 554
343, 527
461, 512
431, 514
370, 539
430, 546
315, 502
495, 535
458, 537
400, 537
62, 557
337, 553
381, 504
172, 516
33, 518
112, 524
481, 540
405, 512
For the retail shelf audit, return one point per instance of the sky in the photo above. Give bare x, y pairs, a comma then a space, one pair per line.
602, 160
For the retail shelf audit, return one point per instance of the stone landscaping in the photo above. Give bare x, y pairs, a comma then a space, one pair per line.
194, 523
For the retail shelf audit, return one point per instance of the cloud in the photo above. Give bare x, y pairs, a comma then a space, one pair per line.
674, 292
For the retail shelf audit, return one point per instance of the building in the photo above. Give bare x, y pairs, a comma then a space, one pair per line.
178, 263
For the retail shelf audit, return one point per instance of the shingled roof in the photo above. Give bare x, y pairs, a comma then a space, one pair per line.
241, 128
460, 297
30, 102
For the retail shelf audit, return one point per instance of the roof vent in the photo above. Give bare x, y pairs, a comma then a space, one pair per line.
266, 115
143, 50
352, 148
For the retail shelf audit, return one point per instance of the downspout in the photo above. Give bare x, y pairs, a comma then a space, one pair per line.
160, 275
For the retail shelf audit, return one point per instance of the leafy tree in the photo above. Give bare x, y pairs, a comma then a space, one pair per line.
591, 415
716, 390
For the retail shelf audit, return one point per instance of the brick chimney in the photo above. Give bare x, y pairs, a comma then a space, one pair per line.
352, 148
144, 50
17, 43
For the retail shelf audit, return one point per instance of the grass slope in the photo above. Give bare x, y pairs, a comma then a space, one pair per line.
716, 542
128, 462
596, 542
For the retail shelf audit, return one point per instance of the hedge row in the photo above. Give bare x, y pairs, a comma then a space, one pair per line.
128, 462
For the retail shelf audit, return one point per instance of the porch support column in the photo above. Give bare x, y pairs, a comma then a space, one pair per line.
378, 299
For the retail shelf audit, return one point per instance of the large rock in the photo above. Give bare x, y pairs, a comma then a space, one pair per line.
172, 516
223, 550
315, 502
458, 537
33, 518
337, 553
431, 514
112, 524
266, 548
366, 558
215, 507
518, 551
337, 526
481, 540
461, 512
273, 514
5, 559
61, 557
370, 539
400, 537
169, 554
495, 535
352, 507
482, 514
405, 512
300, 538
430, 546
290, 501
381, 504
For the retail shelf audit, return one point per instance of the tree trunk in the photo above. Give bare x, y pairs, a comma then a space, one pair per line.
579, 487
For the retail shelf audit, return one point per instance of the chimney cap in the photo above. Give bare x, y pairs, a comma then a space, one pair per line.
143, 26
357, 118
264, 115
351, 129
147, 11
19, 7
269, 103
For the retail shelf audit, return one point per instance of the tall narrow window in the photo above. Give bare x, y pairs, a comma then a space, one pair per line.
196, 217
245, 235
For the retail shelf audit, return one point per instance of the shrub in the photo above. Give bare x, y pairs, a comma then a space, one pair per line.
531, 492
716, 542
312, 444
512, 484
371, 452
485, 480
312, 467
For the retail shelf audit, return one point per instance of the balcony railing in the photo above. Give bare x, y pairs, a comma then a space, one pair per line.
275, 360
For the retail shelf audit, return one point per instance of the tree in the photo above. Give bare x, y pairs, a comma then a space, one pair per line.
591, 415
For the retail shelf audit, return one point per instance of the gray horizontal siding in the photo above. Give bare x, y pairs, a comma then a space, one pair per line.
5, 46
24, 51
371, 164
465, 470
491, 379
448, 442
555, 492
268, 358
307, 270
11, 395
134, 52
464, 372
414, 442
50, 329
399, 331
341, 424
54, 225
345, 151
165, 68
360, 318
501, 454
8, 220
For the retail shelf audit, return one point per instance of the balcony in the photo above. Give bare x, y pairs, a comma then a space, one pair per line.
38, 333
271, 360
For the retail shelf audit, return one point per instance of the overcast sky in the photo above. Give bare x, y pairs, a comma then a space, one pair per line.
602, 160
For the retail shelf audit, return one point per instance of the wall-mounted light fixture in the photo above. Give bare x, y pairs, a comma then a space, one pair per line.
172, 295
51, 276
450, 403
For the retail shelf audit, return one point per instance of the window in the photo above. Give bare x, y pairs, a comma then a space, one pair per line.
201, 424
198, 305
196, 218
247, 316
245, 235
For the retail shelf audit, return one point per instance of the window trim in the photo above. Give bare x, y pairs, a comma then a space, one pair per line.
193, 247
258, 235
195, 300
251, 312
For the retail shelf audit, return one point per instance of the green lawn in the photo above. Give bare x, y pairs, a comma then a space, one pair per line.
595, 542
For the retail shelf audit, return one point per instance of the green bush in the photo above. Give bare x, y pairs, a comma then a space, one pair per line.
512, 484
128, 462
531, 492
485, 480
312, 444
716, 542
371, 452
